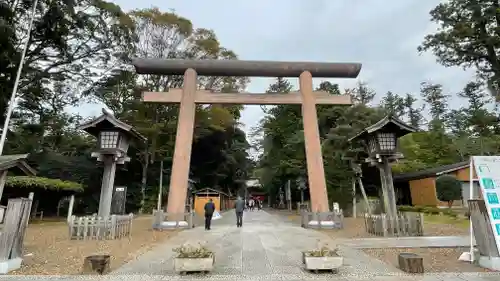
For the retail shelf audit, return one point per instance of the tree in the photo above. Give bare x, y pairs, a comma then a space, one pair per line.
283, 154
448, 189
361, 94
468, 36
414, 114
283, 141
393, 104
437, 100
72, 43
481, 122
169, 35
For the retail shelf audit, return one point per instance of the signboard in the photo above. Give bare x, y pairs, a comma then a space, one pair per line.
487, 168
118, 200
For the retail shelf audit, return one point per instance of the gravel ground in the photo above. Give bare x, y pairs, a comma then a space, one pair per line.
355, 227
435, 259
49, 251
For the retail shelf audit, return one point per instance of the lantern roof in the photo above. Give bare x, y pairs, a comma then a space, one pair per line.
387, 124
107, 121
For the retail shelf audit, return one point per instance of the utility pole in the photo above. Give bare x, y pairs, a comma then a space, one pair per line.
16, 82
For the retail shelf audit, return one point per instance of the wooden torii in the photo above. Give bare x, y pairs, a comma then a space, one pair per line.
190, 95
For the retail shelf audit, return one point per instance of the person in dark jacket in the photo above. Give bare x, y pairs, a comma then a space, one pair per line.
239, 206
209, 212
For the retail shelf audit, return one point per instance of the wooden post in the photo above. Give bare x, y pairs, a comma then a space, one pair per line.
383, 185
160, 192
70, 207
385, 232
31, 196
3, 179
314, 156
354, 198
367, 203
386, 177
98, 264
411, 263
183, 145
107, 186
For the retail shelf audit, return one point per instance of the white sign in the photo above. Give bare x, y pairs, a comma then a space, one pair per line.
487, 170
120, 189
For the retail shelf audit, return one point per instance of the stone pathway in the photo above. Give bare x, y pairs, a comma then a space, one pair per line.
266, 248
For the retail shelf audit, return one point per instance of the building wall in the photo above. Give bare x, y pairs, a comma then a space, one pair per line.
463, 174
200, 201
423, 192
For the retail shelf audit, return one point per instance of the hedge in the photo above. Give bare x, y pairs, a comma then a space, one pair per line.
428, 210
43, 183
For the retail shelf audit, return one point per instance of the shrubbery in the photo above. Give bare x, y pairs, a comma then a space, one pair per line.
448, 189
428, 210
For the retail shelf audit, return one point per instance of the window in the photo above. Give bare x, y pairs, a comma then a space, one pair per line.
387, 141
109, 139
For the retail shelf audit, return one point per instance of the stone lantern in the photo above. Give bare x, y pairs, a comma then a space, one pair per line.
380, 141
301, 186
113, 139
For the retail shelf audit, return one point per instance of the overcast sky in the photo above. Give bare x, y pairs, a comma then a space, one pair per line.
383, 35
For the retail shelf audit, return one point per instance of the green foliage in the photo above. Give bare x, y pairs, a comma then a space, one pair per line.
193, 252
468, 37
430, 210
78, 53
448, 188
42, 183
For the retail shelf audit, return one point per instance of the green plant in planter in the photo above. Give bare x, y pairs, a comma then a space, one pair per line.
322, 251
193, 252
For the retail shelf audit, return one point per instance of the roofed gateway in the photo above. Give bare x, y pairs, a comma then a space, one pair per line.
189, 95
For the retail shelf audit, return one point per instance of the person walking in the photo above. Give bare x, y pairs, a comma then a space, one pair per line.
209, 212
239, 207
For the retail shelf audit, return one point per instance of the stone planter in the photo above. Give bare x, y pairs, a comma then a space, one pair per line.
184, 265
322, 263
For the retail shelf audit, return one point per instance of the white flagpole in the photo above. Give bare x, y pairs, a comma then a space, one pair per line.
16, 82
471, 195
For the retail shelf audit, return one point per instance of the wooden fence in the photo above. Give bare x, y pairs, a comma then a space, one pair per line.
405, 224
322, 219
15, 223
99, 228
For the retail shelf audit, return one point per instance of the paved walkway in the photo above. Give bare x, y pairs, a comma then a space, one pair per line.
266, 248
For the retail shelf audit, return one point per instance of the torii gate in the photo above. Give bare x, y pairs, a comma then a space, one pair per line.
190, 95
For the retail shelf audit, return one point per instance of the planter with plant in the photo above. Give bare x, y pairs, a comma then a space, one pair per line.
193, 259
322, 258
